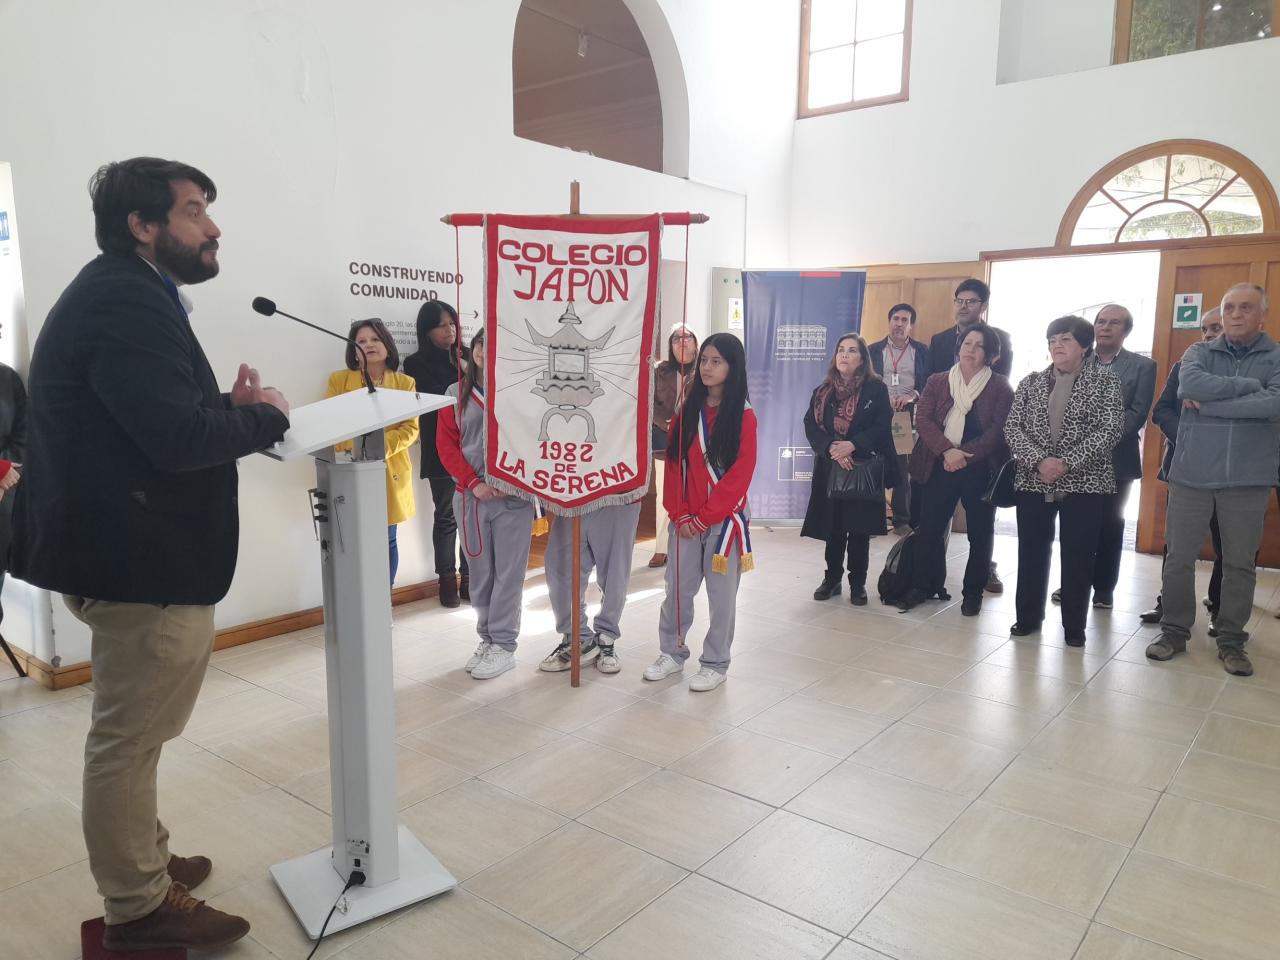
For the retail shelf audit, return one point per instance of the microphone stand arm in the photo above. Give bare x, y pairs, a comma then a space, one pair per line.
364, 361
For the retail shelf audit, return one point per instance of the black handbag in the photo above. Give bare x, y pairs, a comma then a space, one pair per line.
863, 481
1001, 491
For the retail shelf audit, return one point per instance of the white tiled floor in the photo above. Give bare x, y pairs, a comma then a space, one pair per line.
865, 785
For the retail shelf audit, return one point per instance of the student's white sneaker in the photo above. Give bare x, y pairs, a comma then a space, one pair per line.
608, 661
706, 679
561, 658
494, 662
474, 660
663, 667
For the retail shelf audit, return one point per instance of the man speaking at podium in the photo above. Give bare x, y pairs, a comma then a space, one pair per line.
128, 508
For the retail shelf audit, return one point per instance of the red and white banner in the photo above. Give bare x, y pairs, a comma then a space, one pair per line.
569, 332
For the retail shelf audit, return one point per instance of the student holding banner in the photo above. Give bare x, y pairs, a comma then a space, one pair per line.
495, 528
711, 456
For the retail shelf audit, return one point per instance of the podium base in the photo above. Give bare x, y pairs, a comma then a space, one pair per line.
311, 886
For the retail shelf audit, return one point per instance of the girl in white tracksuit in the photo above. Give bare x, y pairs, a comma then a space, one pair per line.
494, 529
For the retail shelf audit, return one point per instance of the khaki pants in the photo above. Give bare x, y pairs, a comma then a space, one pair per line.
148, 665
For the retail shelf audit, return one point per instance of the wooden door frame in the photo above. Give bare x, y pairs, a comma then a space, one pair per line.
1153, 441
1124, 31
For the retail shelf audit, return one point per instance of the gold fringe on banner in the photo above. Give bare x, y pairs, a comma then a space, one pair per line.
746, 563
719, 563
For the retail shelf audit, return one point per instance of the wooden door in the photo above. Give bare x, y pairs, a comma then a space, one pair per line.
929, 287
1210, 271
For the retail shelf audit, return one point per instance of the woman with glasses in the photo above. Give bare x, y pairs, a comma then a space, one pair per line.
1062, 426
671, 383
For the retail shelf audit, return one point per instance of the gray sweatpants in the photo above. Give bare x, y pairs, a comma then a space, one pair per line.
495, 537
608, 540
692, 558
1240, 514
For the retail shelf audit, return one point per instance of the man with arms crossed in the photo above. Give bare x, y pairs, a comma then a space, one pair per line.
128, 509
1225, 461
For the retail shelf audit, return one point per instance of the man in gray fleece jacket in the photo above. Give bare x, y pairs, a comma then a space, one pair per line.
1226, 458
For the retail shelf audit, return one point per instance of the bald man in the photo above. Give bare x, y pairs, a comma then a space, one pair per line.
1225, 461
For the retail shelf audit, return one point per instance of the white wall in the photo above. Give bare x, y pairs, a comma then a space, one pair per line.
1045, 38
968, 165
339, 133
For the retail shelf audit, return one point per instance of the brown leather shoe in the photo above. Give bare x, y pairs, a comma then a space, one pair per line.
189, 871
660, 560
449, 591
464, 588
181, 921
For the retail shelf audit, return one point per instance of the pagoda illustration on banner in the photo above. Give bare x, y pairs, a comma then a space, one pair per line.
568, 383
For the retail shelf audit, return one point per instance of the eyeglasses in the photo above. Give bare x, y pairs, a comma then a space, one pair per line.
966, 302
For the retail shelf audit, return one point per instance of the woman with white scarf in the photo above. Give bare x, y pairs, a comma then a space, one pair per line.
960, 426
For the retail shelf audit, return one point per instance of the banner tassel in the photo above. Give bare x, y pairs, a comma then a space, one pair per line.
719, 563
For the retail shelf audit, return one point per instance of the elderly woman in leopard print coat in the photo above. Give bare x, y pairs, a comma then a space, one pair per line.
1061, 428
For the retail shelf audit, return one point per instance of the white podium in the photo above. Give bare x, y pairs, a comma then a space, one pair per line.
349, 506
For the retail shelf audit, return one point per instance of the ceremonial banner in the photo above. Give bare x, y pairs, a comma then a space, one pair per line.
569, 339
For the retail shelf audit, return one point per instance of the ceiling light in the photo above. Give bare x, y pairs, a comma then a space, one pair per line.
1217, 7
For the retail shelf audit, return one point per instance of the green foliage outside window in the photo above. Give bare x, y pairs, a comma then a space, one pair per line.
1160, 28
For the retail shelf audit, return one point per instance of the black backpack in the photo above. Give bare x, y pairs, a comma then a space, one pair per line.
895, 578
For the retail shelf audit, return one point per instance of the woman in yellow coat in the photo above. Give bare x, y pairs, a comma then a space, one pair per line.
379, 348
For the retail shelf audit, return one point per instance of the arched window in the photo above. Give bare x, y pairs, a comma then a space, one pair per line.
583, 78
1173, 190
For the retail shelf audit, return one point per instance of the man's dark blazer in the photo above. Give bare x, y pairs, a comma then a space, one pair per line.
129, 491
1137, 376
942, 351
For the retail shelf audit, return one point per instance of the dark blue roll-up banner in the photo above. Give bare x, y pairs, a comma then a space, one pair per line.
793, 319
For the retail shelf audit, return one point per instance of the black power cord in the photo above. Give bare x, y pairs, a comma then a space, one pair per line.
356, 877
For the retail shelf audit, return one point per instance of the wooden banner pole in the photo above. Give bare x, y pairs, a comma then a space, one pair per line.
575, 570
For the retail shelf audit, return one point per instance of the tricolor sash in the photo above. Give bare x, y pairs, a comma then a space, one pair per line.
736, 526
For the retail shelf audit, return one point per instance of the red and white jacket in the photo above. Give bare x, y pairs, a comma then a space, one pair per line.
697, 497
462, 450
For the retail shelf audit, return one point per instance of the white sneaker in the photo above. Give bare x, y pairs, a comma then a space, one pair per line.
494, 662
706, 679
476, 657
608, 661
561, 658
663, 667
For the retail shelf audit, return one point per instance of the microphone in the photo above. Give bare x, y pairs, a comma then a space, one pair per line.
268, 308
